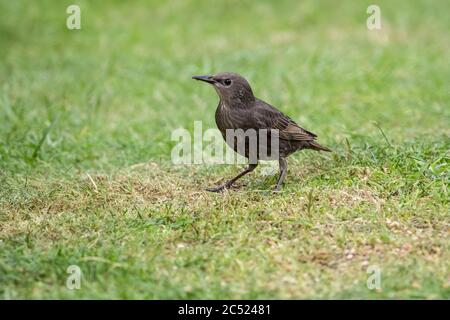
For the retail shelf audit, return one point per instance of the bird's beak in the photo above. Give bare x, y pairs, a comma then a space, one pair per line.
208, 79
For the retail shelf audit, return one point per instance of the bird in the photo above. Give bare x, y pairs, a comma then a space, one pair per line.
239, 109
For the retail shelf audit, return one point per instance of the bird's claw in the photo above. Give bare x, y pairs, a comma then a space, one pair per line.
277, 189
217, 189
220, 188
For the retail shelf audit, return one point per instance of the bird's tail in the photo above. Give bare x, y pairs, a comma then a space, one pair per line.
316, 146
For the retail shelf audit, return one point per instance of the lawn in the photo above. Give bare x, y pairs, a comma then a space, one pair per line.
86, 176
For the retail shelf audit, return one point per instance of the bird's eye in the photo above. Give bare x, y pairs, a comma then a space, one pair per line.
227, 82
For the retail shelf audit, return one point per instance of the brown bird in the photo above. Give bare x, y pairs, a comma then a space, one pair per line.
239, 109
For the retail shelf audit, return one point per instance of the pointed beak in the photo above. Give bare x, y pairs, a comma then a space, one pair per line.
208, 79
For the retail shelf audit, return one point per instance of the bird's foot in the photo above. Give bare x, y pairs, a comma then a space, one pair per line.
277, 189
223, 187
218, 189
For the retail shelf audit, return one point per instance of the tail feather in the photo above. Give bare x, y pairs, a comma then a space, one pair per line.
316, 146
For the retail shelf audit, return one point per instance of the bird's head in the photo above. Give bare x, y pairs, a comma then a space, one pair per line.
232, 88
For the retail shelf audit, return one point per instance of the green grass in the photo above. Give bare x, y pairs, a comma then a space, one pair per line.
86, 176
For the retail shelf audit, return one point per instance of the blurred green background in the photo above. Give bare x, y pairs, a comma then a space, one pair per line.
107, 97
122, 82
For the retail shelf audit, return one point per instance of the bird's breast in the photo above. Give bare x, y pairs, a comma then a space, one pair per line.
223, 119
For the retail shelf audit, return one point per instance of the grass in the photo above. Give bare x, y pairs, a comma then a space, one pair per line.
86, 177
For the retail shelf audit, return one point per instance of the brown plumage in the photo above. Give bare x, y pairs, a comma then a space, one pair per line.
240, 109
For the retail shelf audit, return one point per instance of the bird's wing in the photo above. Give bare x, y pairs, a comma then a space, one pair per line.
270, 118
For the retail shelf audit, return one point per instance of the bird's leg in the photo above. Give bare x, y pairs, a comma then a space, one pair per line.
283, 169
229, 183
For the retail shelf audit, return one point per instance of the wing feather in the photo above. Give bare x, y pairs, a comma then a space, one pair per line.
268, 117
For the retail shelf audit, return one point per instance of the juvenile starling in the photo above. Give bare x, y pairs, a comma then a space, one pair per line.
239, 109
